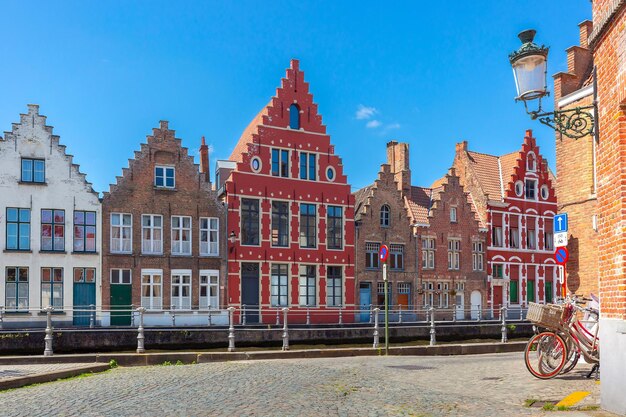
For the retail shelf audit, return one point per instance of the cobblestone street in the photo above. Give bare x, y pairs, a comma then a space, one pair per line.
479, 385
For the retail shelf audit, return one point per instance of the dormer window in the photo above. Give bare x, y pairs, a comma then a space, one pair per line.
294, 116
33, 170
531, 162
164, 177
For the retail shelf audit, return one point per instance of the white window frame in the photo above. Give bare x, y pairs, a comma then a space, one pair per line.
478, 257
120, 241
211, 246
303, 283
180, 301
120, 276
531, 241
454, 254
496, 236
209, 301
428, 253
155, 247
165, 169
531, 157
534, 189
178, 247
152, 302
453, 217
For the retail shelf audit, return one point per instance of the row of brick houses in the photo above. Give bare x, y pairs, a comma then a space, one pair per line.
279, 227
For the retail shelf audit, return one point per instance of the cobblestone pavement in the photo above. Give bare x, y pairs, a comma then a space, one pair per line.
9, 372
476, 385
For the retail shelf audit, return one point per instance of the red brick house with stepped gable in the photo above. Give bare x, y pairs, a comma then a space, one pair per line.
514, 196
290, 213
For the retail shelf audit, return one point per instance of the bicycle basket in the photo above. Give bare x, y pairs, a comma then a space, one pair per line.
548, 315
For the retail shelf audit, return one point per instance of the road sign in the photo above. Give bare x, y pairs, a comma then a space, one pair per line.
561, 255
560, 223
383, 253
560, 239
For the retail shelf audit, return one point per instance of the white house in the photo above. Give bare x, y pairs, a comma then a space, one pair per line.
50, 221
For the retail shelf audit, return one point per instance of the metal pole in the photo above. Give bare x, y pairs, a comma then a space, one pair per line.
376, 337
231, 330
210, 320
173, 314
433, 339
453, 313
371, 306
132, 315
308, 315
386, 310
277, 316
478, 316
243, 314
285, 330
340, 315
92, 310
140, 336
48, 338
400, 314
503, 329
1, 317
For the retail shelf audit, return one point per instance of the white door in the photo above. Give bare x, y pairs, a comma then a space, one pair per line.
477, 305
460, 306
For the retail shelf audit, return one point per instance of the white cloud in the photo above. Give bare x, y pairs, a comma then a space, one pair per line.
392, 126
364, 112
372, 124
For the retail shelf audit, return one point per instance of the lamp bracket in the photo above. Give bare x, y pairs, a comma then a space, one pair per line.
574, 123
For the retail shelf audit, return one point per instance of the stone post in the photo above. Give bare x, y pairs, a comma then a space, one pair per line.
371, 313
376, 336
210, 322
340, 315
243, 314
92, 312
433, 339
231, 329
132, 315
503, 329
173, 314
400, 314
453, 313
308, 315
140, 336
48, 338
277, 316
285, 330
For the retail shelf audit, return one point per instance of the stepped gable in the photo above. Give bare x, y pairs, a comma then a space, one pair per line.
293, 90
361, 201
419, 204
487, 171
32, 121
155, 143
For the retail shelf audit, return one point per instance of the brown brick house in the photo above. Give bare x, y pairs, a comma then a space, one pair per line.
163, 236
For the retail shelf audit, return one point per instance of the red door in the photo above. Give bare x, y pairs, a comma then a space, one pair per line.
497, 301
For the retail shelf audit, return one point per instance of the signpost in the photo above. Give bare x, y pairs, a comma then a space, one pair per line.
383, 254
560, 223
561, 255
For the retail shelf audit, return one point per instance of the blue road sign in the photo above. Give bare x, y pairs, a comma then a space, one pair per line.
383, 253
561, 256
560, 223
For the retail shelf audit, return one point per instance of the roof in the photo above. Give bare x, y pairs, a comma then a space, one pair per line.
419, 203
246, 136
485, 166
360, 199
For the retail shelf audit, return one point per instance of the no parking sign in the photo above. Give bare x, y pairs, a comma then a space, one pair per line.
561, 255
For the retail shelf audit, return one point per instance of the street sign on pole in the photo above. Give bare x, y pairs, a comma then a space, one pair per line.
560, 239
560, 223
386, 302
383, 253
561, 255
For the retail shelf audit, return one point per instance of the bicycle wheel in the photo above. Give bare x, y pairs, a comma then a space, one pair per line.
545, 355
572, 356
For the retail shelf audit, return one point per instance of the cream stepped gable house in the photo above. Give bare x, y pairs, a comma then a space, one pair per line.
50, 226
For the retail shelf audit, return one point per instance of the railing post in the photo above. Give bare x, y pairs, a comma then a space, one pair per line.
478, 316
48, 338
173, 314
376, 336
1, 317
370, 313
400, 314
132, 315
340, 315
285, 330
453, 313
210, 320
521, 313
308, 315
243, 314
231, 329
503, 315
92, 312
277, 316
140, 336
433, 339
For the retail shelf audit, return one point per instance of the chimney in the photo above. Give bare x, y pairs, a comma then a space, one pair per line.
461, 147
204, 160
398, 160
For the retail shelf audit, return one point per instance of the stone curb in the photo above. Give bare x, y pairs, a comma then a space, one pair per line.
158, 358
51, 376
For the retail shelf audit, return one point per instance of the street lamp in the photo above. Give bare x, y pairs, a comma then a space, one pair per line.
529, 65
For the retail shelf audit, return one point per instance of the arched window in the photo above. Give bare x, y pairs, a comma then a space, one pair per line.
294, 116
531, 162
384, 216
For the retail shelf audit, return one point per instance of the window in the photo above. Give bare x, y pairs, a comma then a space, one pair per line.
280, 163
519, 188
209, 289
477, 256
151, 295
334, 227
33, 170
531, 239
294, 116
396, 257
53, 230
84, 275
334, 286
513, 291
531, 162
52, 287
307, 226
84, 231
280, 223
209, 236
545, 192
530, 290
514, 237
279, 285
404, 294
548, 241
255, 164
181, 235
249, 221
454, 254
496, 236
121, 233
18, 229
428, 253
307, 166
452, 214
307, 285
531, 189
371, 255
384, 216
381, 294
151, 234
164, 177
330, 173
121, 276
497, 271
181, 289
16, 288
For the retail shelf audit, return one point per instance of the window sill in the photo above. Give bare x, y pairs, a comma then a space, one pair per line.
372, 269
202, 255
152, 254
308, 247
32, 183
84, 253
335, 249
181, 255
61, 252
120, 253
164, 188
17, 251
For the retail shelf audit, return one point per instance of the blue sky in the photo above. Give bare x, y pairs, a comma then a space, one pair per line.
428, 73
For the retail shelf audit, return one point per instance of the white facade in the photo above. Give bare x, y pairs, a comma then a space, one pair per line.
55, 228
